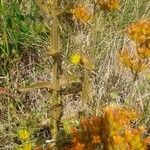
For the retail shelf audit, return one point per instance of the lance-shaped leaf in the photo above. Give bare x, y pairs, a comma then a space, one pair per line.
87, 62
38, 85
54, 49
56, 111
86, 89
54, 78
55, 116
67, 79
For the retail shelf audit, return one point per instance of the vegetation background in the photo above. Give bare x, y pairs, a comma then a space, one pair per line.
24, 39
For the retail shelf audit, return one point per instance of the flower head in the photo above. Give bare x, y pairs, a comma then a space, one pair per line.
96, 139
135, 64
79, 146
140, 31
23, 134
143, 52
125, 58
75, 59
117, 139
81, 13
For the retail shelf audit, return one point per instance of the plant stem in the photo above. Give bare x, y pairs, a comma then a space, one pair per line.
55, 70
130, 98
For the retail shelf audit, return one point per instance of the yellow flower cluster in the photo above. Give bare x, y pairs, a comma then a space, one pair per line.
112, 129
81, 13
140, 34
75, 59
82, 59
109, 4
23, 134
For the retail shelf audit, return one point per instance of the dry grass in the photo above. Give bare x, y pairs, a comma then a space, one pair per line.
111, 83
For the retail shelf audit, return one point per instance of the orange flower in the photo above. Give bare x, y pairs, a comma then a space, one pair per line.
96, 139
143, 52
128, 134
125, 58
78, 146
81, 13
140, 31
133, 63
142, 129
108, 110
113, 131
147, 140
139, 66
117, 139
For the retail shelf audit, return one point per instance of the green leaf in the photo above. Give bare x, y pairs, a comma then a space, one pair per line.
24, 28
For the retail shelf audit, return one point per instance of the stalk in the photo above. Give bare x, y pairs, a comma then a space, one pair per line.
55, 70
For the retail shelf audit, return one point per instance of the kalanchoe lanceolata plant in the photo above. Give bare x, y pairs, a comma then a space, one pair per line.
113, 129
58, 79
137, 61
139, 32
110, 131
